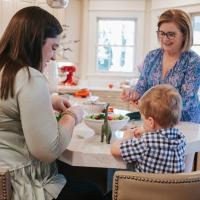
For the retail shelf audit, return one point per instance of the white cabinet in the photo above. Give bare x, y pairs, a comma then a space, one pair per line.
23, 3
7, 10
9, 7
45, 6
58, 13
67, 16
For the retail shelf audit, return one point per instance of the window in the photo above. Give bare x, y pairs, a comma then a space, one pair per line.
115, 45
196, 33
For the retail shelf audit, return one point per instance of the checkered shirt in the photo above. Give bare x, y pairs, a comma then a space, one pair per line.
156, 152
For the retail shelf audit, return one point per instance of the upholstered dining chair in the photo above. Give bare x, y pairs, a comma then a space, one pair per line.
5, 184
145, 186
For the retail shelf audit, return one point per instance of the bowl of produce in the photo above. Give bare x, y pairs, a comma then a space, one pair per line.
93, 107
95, 121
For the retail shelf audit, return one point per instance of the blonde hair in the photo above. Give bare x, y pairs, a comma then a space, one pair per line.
183, 23
163, 103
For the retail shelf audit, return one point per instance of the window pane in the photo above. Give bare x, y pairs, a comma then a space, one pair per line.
196, 49
104, 58
116, 32
196, 30
115, 59
115, 45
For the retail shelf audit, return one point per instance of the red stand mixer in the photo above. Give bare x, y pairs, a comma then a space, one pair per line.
70, 70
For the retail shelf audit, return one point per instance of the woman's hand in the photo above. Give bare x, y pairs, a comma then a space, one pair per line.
78, 111
75, 112
125, 94
60, 103
134, 104
128, 94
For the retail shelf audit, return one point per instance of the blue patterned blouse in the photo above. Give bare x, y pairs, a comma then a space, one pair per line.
184, 76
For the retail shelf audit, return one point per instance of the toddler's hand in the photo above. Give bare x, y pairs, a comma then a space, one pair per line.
138, 131
129, 133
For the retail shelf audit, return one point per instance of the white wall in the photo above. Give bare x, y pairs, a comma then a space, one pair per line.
147, 10
162, 4
109, 8
79, 15
159, 6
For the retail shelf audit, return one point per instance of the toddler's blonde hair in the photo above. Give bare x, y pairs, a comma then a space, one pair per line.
163, 103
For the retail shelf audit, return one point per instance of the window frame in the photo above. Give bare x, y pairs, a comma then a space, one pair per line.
193, 15
93, 36
132, 46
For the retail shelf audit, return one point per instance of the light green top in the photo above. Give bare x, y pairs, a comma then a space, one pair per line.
30, 138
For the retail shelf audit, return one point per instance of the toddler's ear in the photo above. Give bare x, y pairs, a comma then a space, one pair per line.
151, 122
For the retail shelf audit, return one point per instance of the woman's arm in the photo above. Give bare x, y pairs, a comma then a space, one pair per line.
189, 91
45, 138
59, 103
142, 84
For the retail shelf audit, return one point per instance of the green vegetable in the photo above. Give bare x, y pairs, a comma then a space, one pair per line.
102, 116
58, 116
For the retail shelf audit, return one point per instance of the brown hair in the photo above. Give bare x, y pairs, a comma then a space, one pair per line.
163, 103
183, 22
22, 42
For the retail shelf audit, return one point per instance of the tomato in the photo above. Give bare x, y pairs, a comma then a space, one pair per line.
97, 117
110, 117
82, 93
110, 85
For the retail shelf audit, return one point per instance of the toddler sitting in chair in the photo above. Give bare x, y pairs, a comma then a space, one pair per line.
157, 147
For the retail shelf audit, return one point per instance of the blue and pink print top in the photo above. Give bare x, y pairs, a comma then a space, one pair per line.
184, 76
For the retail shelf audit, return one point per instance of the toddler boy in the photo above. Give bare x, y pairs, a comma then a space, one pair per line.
157, 147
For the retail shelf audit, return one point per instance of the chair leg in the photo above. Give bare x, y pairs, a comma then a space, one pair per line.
197, 161
189, 160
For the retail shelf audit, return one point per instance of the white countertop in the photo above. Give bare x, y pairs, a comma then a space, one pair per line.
85, 148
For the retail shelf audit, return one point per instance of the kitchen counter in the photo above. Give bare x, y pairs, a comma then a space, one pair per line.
65, 88
86, 150
105, 94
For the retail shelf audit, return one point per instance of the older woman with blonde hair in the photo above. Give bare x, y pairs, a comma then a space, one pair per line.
173, 63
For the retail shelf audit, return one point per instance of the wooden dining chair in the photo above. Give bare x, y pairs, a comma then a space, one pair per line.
5, 184
146, 186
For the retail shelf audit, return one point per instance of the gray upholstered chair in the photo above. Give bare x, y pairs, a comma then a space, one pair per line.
145, 186
5, 184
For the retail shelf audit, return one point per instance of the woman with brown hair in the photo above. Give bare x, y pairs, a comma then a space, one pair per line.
30, 137
174, 63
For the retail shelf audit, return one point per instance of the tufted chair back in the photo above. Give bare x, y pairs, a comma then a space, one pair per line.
145, 186
5, 184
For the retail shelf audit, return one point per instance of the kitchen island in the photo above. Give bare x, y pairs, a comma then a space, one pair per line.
86, 150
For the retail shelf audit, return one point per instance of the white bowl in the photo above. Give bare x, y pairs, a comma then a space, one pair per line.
97, 124
93, 107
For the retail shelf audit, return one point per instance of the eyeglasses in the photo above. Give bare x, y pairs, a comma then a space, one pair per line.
169, 35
